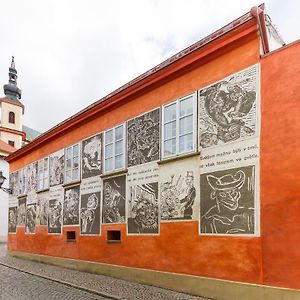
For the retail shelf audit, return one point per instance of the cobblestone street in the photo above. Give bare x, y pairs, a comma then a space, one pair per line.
18, 285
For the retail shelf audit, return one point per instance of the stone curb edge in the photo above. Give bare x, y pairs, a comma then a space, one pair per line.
109, 296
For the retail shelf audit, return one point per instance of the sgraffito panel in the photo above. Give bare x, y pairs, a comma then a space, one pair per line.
142, 206
180, 190
143, 138
114, 195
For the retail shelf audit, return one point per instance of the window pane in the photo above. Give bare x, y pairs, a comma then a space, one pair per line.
75, 174
46, 164
170, 113
169, 147
108, 151
75, 162
186, 125
170, 130
68, 176
119, 133
119, 161
69, 153
68, 164
108, 164
186, 143
119, 147
109, 136
75, 150
186, 106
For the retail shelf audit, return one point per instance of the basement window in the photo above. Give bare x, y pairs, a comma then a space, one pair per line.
71, 236
114, 236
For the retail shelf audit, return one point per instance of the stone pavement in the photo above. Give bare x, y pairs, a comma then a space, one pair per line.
100, 285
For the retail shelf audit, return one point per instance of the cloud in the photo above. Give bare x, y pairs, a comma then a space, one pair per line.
71, 53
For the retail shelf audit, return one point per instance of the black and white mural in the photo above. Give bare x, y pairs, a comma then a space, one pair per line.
30, 218
21, 212
71, 206
227, 203
92, 156
54, 216
90, 214
31, 177
13, 183
55, 206
180, 190
228, 109
42, 209
90, 206
143, 138
142, 206
114, 195
56, 169
12, 219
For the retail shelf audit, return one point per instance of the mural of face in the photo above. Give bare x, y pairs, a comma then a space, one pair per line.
146, 214
229, 199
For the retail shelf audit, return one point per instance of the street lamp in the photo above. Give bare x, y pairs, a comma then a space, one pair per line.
2, 179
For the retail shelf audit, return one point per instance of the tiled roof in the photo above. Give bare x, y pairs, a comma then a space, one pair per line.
6, 147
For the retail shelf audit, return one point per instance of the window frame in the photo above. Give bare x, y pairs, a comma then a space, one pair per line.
11, 117
177, 120
72, 164
114, 141
43, 171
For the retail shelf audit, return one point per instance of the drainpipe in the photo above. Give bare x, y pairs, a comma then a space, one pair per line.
259, 14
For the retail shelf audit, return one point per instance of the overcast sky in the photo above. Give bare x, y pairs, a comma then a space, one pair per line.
69, 54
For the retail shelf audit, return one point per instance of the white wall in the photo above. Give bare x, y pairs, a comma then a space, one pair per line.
3, 203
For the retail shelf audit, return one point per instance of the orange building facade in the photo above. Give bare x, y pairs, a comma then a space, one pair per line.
190, 170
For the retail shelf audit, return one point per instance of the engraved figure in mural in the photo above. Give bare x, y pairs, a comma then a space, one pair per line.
227, 201
13, 183
90, 213
54, 216
91, 156
143, 209
178, 197
12, 219
30, 218
42, 211
21, 212
71, 206
114, 191
31, 177
57, 168
228, 109
143, 138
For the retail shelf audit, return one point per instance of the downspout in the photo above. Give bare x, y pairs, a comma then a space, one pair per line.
259, 14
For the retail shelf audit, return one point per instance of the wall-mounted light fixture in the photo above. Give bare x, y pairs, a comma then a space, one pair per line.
2, 179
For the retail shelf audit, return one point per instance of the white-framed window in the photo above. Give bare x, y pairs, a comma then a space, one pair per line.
43, 174
114, 148
72, 163
22, 182
179, 120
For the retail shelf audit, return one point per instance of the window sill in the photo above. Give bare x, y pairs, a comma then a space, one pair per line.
178, 157
114, 242
71, 241
70, 184
41, 191
114, 173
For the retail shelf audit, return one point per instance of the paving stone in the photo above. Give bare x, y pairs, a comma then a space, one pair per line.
103, 284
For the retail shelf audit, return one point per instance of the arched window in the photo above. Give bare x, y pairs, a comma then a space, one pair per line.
11, 117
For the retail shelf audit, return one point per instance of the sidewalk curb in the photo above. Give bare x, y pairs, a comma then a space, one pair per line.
103, 294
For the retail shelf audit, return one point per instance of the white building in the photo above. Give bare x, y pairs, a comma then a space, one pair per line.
13, 135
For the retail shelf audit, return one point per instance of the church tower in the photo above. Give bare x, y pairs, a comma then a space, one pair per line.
11, 111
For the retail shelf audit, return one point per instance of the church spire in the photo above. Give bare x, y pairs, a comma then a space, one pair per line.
11, 89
